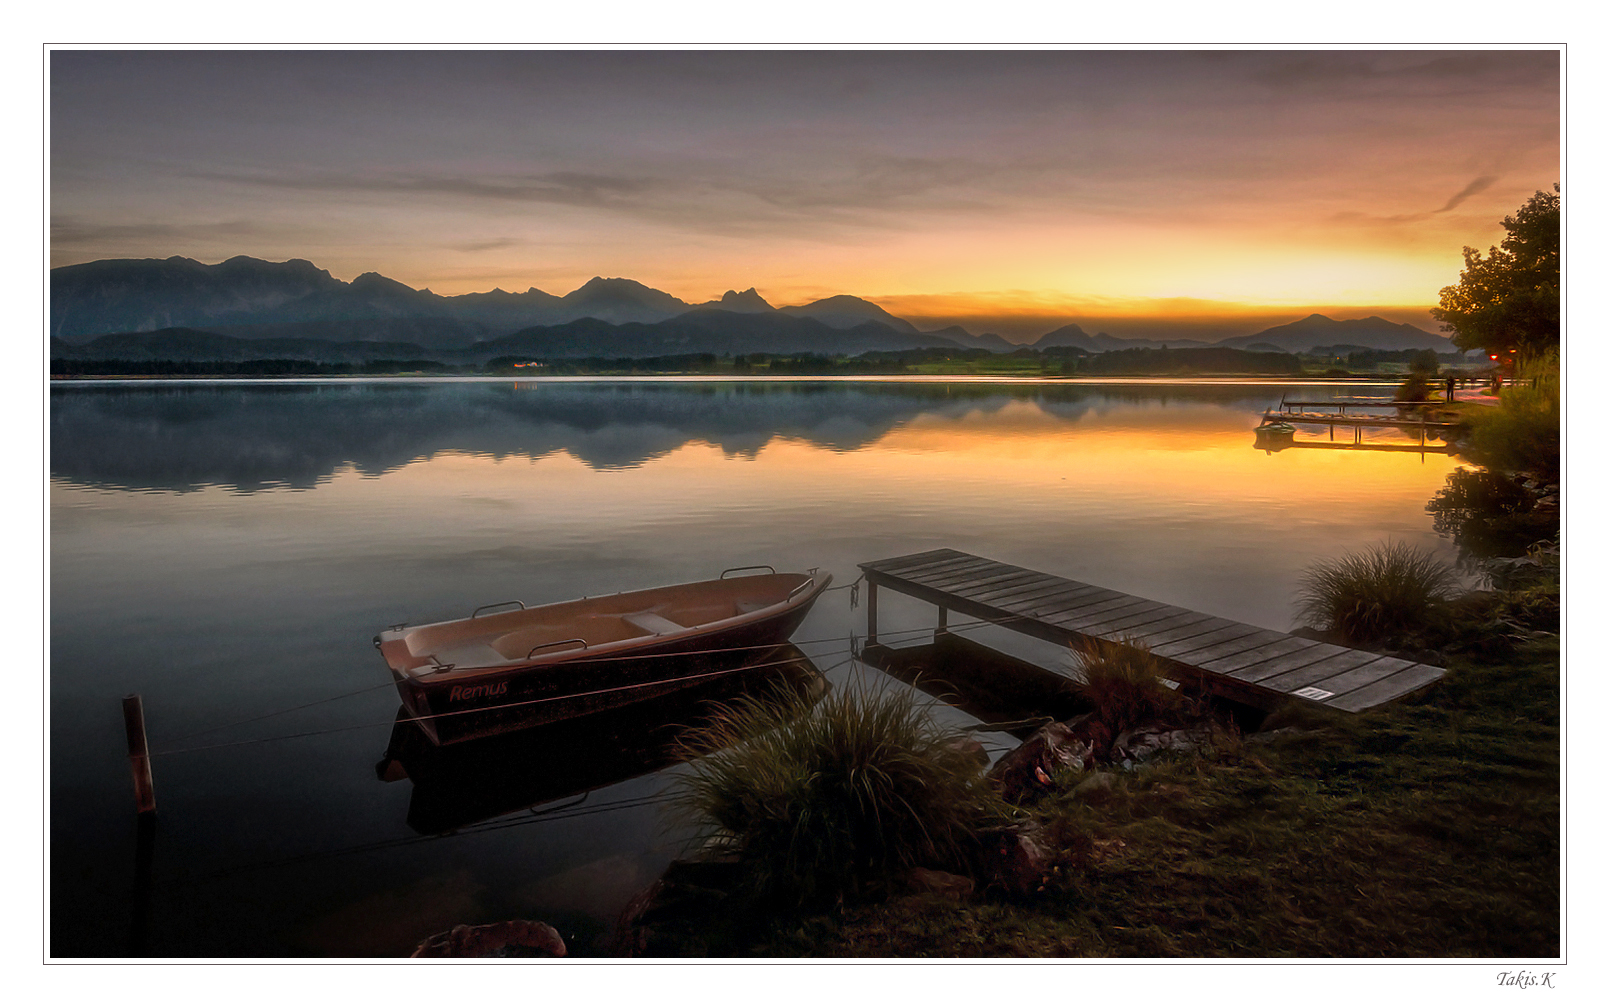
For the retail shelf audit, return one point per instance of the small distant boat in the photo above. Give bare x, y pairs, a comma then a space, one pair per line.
474, 677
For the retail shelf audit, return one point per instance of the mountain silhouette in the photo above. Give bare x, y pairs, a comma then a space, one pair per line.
846, 310
749, 302
302, 306
1319, 330
255, 299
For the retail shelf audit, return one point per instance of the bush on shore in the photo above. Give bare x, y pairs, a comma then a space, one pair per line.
833, 802
1123, 681
1391, 594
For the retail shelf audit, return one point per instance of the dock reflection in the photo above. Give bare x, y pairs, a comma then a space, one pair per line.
459, 785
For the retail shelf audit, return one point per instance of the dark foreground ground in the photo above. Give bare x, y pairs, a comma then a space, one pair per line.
1428, 828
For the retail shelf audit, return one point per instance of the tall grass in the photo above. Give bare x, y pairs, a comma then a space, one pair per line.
1123, 681
833, 801
1389, 594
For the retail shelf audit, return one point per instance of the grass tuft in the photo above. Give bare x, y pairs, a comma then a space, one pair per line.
833, 802
1123, 682
1389, 594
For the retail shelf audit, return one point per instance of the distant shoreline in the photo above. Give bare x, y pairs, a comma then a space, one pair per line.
735, 379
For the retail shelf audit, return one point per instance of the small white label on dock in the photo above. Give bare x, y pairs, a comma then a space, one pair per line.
1312, 693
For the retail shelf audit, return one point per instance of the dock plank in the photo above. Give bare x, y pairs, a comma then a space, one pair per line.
974, 585
1384, 690
944, 566
1233, 631
927, 563
894, 564
1222, 654
1108, 623
1025, 589
1287, 647
1043, 594
1364, 675
1183, 633
1290, 682
1088, 615
1087, 601
1229, 649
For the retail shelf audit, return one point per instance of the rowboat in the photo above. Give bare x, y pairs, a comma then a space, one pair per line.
474, 677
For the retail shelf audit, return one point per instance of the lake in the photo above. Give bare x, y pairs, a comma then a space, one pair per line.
228, 550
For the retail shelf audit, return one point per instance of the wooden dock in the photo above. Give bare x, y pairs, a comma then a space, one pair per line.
1247, 664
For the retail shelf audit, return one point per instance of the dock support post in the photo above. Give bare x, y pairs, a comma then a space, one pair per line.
145, 798
944, 614
871, 611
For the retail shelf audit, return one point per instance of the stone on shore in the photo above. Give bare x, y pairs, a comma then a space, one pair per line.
516, 939
1027, 771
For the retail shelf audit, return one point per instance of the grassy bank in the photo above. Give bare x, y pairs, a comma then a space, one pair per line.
1425, 828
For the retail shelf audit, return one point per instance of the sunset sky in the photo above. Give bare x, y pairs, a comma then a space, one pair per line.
1006, 190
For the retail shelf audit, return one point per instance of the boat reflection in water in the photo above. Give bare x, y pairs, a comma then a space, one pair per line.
456, 786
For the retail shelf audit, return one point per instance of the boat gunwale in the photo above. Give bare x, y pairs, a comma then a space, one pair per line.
429, 675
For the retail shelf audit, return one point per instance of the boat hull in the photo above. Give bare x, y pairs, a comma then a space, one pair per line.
513, 697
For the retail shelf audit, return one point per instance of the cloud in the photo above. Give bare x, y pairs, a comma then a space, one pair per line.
867, 193
490, 245
1477, 184
563, 188
73, 231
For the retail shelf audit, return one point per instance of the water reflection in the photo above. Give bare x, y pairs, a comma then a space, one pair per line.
459, 785
248, 438
175, 549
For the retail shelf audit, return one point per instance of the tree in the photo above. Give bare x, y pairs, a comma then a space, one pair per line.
1511, 299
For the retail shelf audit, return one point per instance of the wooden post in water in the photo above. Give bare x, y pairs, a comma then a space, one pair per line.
871, 611
145, 797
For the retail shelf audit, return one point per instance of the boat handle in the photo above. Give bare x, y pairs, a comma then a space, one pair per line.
799, 588
572, 640
769, 567
494, 605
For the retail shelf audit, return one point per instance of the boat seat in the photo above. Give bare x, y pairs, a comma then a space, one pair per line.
652, 623
745, 608
471, 655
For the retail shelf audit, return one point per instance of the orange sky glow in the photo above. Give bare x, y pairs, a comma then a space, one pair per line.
1013, 191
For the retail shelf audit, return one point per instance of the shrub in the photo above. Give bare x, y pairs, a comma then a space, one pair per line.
1389, 594
835, 801
1414, 389
1123, 682
1522, 433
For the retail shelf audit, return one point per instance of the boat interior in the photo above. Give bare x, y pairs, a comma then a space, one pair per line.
522, 636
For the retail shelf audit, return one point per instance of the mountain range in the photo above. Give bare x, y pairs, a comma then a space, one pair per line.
244, 308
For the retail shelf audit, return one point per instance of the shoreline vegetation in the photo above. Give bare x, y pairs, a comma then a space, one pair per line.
1054, 362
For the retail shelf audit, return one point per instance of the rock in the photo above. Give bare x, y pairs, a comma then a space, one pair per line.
686, 890
939, 883
1139, 744
516, 939
1026, 772
971, 748
1098, 783
1266, 736
1017, 861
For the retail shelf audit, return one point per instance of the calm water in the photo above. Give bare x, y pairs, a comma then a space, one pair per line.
228, 550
